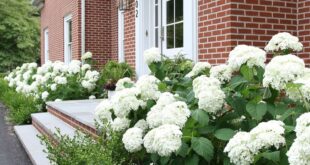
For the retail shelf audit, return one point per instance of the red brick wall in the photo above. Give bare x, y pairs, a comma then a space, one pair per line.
52, 17
304, 28
223, 24
129, 30
98, 34
214, 31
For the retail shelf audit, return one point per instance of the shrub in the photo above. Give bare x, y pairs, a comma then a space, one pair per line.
20, 106
112, 72
243, 112
84, 149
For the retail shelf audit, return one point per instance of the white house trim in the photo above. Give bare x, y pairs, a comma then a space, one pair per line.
46, 45
67, 44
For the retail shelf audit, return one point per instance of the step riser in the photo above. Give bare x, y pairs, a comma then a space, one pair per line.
73, 122
43, 131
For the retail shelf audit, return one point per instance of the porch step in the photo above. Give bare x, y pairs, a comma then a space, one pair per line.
77, 113
49, 124
27, 135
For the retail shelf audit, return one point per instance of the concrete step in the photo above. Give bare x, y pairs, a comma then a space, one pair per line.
78, 113
27, 135
50, 123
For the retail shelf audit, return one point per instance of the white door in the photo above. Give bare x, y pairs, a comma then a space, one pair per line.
46, 48
121, 34
170, 25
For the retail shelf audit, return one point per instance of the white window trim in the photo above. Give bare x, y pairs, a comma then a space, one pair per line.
46, 45
121, 37
67, 53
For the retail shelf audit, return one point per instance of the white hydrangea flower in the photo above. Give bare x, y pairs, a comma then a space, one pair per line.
125, 101
299, 153
302, 122
133, 139
103, 110
86, 67
175, 113
163, 140
74, 67
149, 85
152, 55
60, 80
92, 97
298, 93
221, 72
86, 55
142, 124
58, 100
283, 69
249, 55
209, 94
120, 85
243, 147
120, 124
44, 95
283, 41
54, 87
198, 68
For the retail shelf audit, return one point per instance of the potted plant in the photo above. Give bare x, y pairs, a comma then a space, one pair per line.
112, 72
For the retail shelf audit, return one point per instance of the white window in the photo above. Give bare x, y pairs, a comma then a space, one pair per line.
68, 39
46, 48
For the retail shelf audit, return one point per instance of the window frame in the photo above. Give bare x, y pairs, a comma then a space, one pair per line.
46, 45
67, 43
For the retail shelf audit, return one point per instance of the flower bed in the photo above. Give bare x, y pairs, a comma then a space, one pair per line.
243, 112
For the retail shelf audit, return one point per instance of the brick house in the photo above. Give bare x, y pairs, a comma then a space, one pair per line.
205, 30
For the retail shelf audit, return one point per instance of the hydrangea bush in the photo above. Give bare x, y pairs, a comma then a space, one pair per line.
56, 81
243, 112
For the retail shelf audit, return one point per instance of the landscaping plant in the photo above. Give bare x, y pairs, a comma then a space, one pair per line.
243, 112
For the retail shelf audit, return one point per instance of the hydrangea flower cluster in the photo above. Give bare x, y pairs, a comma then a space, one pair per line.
149, 85
244, 146
42, 81
297, 94
283, 69
283, 41
121, 84
209, 94
299, 153
249, 55
152, 55
87, 55
221, 72
198, 68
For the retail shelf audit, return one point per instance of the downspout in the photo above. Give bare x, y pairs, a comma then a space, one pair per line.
82, 27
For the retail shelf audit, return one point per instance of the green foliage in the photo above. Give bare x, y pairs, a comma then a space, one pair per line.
84, 149
20, 106
112, 72
19, 33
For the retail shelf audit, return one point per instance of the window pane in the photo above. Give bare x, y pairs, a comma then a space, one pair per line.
170, 11
156, 15
70, 30
179, 35
156, 37
170, 36
178, 10
156, 1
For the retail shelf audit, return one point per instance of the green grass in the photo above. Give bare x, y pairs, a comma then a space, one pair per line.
20, 106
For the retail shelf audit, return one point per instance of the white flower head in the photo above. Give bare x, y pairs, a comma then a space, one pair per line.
92, 97
87, 55
198, 68
283, 69
221, 72
120, 124
249, 55
44, 95
121, 83
283, 41
133, 139
103, 110
152, 55
149, 85
163, 140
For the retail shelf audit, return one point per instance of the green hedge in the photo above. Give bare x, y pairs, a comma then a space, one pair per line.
20, 106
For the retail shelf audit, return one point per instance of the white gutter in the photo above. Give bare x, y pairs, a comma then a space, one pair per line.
82, 27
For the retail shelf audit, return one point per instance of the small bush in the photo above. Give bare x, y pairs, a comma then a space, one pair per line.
84, 149
20, 106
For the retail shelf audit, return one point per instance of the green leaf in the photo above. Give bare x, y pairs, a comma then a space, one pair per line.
162, 87
203, 147
237, 81
193, 160
247, 72
273, 156
257, 111
164, 160
224, 134
183, 151
201, 117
